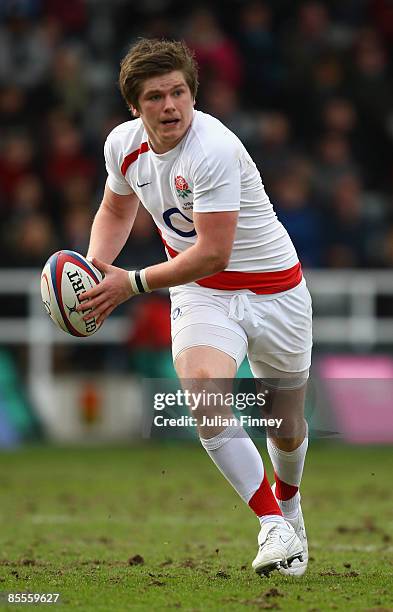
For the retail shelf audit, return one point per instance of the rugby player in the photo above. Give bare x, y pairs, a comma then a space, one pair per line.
235, 281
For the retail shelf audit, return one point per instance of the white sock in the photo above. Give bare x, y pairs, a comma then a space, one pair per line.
288, 468
271, 518
237, 458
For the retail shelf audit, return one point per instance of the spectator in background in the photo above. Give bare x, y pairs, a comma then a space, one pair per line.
334, 159
263, 70
222, 101
17, 160
339, 115
323, 80
158, 27
272, 150
29, 196
348, 233
28, 199
24, 52
71, 14
30, 240
327, 77
77, 212
144, 242
66, 157
298, 213
368, 84
13, 109
69, 81
76, 227
67, 88
306, 40
217, 55
370, 88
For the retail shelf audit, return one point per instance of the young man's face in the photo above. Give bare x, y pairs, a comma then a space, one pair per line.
166, 109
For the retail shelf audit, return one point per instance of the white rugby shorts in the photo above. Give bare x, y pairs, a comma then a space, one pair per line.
274, 331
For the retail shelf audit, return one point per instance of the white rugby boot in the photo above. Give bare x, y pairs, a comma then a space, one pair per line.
279, 546
298, 567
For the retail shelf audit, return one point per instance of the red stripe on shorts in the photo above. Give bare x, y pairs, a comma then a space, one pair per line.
257, 282
131, 157
263, 501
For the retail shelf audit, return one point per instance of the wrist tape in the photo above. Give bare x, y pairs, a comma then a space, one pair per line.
138, 281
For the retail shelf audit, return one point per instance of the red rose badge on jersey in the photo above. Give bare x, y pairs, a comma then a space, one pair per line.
182, 187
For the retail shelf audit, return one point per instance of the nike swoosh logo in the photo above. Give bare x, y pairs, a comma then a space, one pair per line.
143, 184
287, 540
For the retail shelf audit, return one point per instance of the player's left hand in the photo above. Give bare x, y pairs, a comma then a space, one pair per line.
114, 289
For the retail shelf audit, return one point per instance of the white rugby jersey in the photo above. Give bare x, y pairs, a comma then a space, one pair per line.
208, 171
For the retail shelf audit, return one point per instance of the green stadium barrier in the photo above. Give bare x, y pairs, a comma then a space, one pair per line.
15, 405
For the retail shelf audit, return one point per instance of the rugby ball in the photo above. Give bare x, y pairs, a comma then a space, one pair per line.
66, 275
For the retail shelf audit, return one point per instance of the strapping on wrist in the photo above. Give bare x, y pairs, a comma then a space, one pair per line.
138, 281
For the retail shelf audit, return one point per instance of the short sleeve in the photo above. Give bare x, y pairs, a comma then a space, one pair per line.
115, 181
217, 180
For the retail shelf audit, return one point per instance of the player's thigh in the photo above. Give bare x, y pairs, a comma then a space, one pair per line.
207, 373
280, 351
205, 342
204, 362
207, 350
280, 359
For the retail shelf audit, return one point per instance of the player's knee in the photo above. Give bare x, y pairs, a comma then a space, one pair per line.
206, 395
287, 444
196, 373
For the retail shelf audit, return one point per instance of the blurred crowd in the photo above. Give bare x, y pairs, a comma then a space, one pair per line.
306, 85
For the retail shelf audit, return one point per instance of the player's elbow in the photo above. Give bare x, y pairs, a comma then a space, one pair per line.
213, 257
223, 261
218, 261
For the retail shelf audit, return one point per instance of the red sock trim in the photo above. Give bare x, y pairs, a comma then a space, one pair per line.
283, 490
263, 501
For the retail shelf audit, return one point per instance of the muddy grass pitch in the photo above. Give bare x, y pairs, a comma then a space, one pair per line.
156, 527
